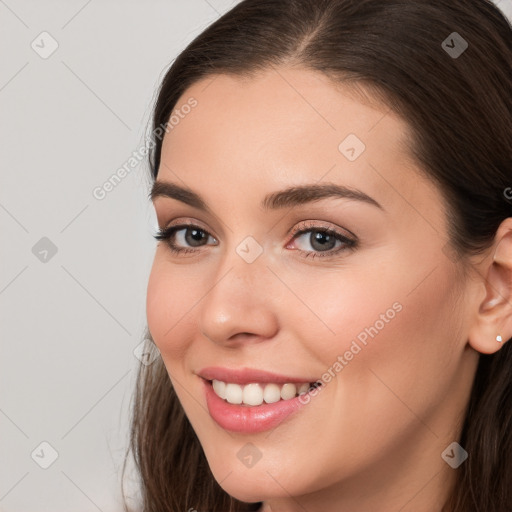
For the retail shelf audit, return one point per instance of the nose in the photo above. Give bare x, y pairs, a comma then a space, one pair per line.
240, 305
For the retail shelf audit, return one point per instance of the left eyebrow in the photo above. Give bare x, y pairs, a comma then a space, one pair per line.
302, 194
292, 196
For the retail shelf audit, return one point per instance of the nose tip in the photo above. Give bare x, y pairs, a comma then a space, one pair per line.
238, 308
226, 324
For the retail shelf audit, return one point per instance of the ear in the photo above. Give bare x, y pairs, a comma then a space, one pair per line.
494, 316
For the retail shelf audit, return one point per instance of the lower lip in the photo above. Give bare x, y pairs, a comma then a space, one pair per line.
249, 419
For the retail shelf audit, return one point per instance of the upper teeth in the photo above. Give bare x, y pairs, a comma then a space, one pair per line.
256, 394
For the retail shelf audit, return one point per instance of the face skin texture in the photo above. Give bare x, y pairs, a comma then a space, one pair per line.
372, 438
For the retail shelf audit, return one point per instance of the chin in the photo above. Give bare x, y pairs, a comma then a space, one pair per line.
244, 491
248, 485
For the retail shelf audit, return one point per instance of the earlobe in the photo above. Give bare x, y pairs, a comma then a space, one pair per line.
492, 325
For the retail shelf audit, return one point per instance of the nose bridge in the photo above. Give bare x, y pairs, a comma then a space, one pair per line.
239, 297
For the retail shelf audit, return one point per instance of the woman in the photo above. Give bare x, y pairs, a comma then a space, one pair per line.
331, 292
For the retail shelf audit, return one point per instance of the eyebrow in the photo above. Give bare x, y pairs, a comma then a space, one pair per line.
292, 196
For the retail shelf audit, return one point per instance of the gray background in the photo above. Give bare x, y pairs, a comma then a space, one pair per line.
71, 319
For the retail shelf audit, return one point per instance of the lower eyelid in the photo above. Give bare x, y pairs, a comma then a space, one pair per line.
346, 243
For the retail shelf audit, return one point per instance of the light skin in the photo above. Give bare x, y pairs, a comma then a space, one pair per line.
372, 438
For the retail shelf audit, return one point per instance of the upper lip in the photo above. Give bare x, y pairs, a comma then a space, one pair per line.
247, 376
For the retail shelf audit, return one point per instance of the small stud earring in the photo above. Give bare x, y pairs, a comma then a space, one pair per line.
499, 339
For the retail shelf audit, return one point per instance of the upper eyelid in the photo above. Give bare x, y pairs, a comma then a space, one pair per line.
293, 231
185, 224
164, 214
303, 231
222, 225
312, 225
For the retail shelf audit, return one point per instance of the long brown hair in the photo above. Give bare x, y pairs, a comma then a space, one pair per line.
459, 108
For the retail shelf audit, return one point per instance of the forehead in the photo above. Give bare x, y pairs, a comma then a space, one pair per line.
289, 126
294, 104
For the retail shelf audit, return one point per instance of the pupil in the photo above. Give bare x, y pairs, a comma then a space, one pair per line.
322, 241
193, 236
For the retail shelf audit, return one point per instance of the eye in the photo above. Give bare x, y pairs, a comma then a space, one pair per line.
315, 240
310, 239
185, 237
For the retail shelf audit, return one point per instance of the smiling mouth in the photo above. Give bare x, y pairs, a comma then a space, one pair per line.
255, 394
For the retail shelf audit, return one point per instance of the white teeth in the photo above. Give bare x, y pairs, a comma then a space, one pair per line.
255, 394
288, 391
272, 393
252, 394
233, 393
303, 388
220, 388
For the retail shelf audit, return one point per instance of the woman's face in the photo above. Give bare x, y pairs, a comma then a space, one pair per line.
283, 272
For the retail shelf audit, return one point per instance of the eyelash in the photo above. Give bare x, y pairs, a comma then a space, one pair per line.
166, 234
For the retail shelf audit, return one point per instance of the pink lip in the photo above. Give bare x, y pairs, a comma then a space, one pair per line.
249, 375
248, 419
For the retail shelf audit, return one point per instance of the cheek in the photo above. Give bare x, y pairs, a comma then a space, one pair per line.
376, 332
390, 307
169, 305
339, 311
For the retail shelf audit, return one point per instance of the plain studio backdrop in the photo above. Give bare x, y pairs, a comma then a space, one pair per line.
77, 82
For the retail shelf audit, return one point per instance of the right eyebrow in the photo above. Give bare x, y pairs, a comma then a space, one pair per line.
173, 191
